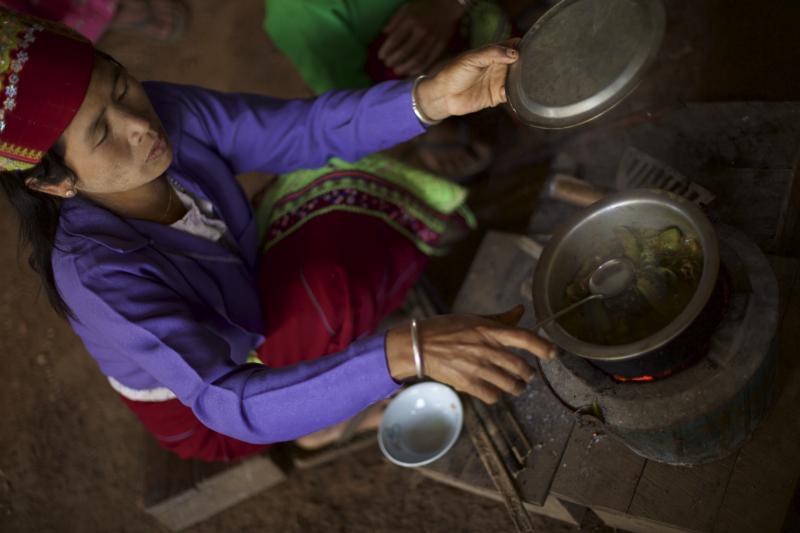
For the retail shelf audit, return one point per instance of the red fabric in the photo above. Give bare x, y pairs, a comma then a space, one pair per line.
327, 284
178, 430
51, 87
332, 282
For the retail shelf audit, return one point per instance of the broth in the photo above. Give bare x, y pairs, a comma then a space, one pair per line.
668, 266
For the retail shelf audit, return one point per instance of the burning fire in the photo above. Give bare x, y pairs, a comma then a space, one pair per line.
637, 378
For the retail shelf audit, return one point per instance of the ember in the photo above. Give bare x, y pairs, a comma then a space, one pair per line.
637, 379
686, 350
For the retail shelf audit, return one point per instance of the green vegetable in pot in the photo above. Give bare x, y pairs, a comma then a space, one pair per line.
655, 291
670, 240
668, 265
575, 291
630, 243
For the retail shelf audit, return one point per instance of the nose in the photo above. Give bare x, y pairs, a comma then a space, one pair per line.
135, 126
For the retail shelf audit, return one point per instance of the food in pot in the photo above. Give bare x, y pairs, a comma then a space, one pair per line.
668, 265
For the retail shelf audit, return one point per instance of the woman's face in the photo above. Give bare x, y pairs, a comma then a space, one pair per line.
116, 142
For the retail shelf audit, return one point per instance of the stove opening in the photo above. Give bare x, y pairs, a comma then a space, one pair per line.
682, 352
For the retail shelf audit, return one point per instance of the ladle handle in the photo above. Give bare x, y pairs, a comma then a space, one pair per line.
565, 311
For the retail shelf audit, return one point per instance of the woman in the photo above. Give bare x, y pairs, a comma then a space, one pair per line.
145, 242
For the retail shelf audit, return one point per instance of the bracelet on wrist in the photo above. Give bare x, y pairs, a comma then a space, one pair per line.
419, 364
417, 111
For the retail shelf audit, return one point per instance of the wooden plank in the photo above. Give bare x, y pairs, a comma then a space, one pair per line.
547, 425
687, 497
498, 279
462, 468
767, 469
633, 524
216, 493
165, 474
503, 263
179, 493
597, 472
496, 467
554, 508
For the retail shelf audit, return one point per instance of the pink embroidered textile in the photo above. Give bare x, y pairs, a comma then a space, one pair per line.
88, 17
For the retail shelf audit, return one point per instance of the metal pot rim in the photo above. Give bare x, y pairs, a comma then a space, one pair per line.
551, 116
705, 287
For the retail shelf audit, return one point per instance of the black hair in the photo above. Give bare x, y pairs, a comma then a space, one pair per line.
38, 215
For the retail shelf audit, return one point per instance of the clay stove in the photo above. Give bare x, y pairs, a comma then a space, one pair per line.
700, 396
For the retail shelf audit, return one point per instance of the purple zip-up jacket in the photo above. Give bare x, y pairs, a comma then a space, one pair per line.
161, 308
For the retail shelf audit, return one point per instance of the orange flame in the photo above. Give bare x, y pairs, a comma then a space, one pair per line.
637, 378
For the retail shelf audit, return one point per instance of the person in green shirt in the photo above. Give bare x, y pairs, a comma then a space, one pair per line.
338, 44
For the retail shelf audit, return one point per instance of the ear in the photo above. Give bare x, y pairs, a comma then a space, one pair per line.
64, 189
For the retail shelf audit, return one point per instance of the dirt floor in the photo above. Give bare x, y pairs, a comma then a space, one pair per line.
72, 454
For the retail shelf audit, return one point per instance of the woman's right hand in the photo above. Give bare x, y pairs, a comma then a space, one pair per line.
470, 353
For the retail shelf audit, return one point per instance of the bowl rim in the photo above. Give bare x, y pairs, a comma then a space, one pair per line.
705, 287
453, 438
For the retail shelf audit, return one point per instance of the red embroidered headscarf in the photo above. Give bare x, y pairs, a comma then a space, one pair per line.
45, 69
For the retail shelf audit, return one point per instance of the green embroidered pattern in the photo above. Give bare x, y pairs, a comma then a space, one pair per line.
6, 163
414, 203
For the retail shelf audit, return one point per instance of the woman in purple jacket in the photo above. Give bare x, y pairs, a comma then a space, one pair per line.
211, 328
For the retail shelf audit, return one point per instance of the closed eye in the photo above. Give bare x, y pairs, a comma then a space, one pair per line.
105, 134
124, 90
121, 96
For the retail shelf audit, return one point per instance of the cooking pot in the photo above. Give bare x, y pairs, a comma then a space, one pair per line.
576, 238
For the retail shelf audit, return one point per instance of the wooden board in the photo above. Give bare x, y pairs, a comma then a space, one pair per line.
768, 466
498, 279
462, 468
548, 425
181, 493
686, 497
634, 524
597, 472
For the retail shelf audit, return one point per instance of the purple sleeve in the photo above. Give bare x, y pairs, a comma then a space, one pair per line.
260, 133
149, 324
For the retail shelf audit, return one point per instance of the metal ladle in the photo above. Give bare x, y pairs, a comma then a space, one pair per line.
608, 280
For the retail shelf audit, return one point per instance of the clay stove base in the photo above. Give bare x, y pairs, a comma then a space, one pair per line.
749, 491
706, 411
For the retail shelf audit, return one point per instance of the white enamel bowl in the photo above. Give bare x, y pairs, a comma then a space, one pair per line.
420, 424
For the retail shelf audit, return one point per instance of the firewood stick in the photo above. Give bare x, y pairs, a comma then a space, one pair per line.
496, 469
495, 434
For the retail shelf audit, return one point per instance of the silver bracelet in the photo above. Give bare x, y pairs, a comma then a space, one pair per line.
415, 349
417, 111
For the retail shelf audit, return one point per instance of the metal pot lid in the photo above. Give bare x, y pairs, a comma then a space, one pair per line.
583, 57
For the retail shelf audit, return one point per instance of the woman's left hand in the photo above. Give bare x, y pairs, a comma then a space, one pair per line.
473, 81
